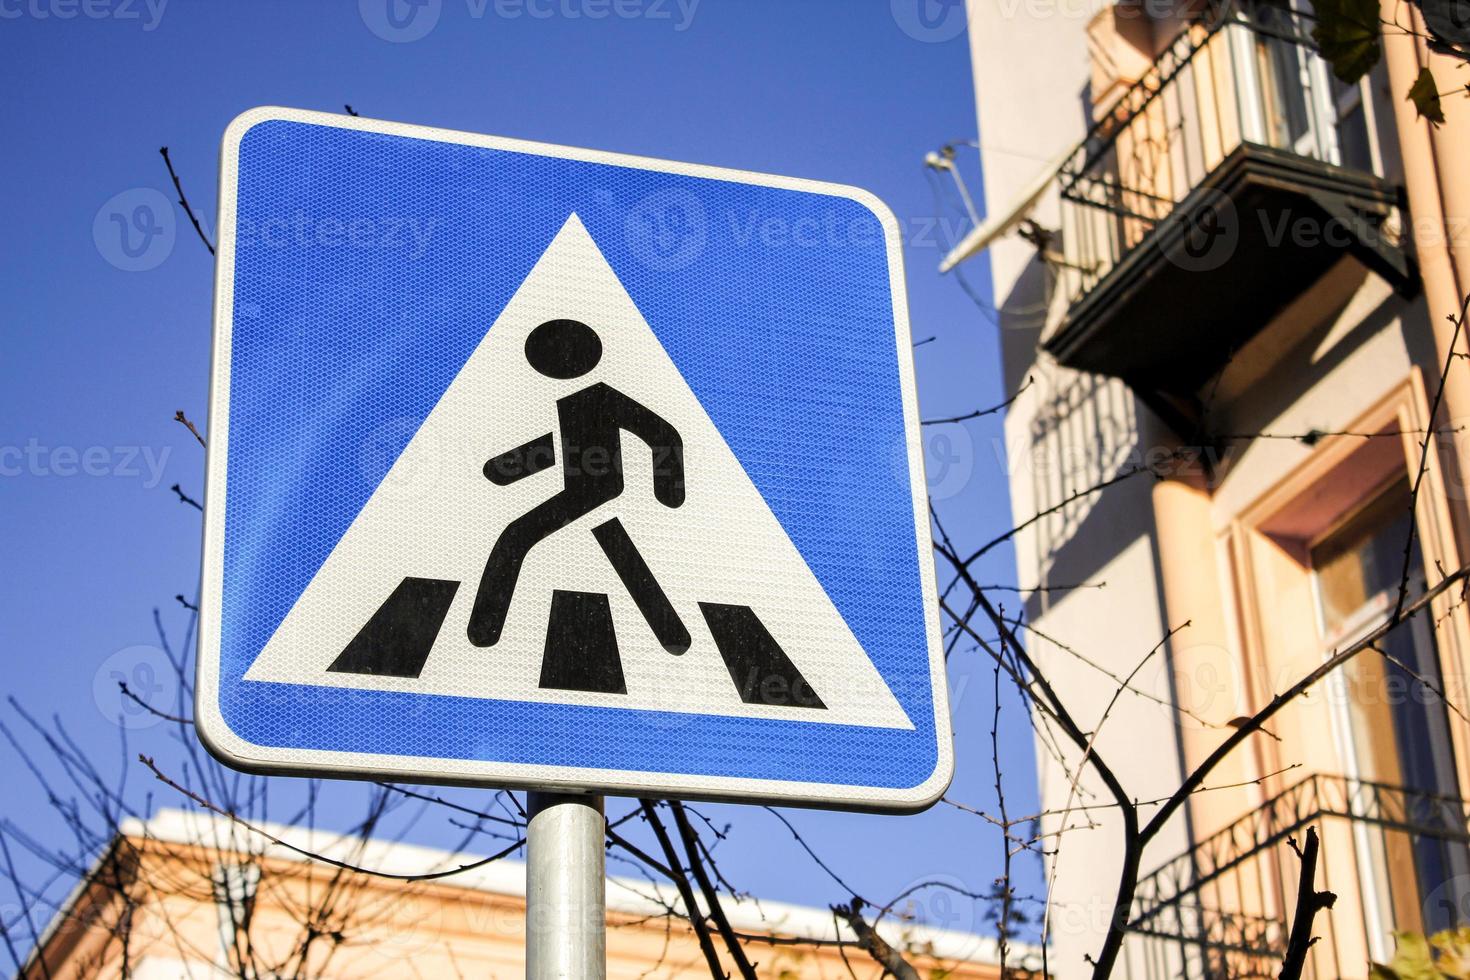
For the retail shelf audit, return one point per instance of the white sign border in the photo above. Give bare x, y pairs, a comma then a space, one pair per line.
238, 753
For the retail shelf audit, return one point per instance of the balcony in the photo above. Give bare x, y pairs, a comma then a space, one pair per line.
1397, 859
1215, 190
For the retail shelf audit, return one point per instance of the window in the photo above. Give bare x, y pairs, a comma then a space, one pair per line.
1303, 106
1283, 68
1397, 726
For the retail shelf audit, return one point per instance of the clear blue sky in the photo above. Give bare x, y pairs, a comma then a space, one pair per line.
96, 356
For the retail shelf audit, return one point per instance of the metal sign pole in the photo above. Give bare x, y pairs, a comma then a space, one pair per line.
566, 933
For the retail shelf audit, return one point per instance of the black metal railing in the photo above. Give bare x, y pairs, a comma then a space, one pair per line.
1251, 75
1397, 858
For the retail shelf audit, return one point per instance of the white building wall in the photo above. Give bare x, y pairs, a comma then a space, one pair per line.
1319, 367
1068, 432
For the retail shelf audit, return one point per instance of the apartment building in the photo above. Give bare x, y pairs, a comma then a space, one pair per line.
187, 896
1228, 271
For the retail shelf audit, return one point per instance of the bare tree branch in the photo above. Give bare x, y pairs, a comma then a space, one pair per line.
711, 894
184, 201
1309, 902
183, 420
686, 893
427, 876
877, 947
981, 412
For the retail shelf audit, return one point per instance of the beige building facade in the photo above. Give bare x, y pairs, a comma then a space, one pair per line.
187, 896
1232, 274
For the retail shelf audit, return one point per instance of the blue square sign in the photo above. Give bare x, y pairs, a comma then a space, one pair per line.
559, 469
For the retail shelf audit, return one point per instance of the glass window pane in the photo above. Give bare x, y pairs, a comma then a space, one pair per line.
1363, 558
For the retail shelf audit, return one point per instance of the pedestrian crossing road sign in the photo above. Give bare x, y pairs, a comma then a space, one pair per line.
551, 468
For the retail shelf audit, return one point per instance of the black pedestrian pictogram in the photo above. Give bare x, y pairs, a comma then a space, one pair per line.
581, 650
591, 421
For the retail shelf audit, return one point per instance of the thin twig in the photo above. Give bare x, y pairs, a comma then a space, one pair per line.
127, 693
1071, 498
1459, 323
981, 412
183, 419
811, 853
186, 499
345, 866
184, 201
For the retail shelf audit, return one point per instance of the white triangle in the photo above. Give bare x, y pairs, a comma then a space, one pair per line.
436, 516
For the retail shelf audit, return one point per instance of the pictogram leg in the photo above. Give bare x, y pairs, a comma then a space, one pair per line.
639, 581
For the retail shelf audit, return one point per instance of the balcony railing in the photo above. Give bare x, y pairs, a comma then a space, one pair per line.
1241, 120
1397, 858
1252, 78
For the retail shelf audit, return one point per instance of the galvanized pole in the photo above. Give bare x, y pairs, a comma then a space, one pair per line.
566, 933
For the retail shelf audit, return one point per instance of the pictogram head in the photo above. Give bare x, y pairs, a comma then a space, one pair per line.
563, 348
